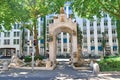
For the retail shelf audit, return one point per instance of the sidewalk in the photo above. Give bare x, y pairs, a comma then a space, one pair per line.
107, 76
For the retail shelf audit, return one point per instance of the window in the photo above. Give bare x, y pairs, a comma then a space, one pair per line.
16, 41
92, 40
59, 40
106, 40
112, 22
91, 23
113, 31
69, 8
105, 15
59, 49
0, 42
65, 40
114, 48
98, 31
92, 47
6, 34
98, 22
106, 31
0, 34
84, 32
91, 32
64, 8
25, 48
6, 41
64, 33
65, 49
114, 40
105, 22
85, 41
84, 22
16, 34
16, 26
99, 40
51, 21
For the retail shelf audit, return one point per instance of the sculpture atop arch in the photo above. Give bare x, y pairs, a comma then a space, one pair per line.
61, 10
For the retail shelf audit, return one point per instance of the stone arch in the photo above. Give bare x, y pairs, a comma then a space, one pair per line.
62, 26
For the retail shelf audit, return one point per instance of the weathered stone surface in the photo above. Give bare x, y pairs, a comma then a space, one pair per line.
48, 64
15, 61
38, 63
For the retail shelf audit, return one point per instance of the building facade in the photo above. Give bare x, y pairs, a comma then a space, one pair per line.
12, 41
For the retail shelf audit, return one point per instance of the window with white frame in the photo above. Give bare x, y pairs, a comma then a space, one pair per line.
91, 23
112, 22
16, 26
16, 41
84, 22
105, 22
16, 34
6, 41
6, 34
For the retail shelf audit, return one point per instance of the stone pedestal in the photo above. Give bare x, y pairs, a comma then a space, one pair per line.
48, 64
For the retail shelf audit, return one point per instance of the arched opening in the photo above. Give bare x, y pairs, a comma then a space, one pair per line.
53, 45
63, 42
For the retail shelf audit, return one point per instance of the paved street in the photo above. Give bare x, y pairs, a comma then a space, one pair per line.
62, 72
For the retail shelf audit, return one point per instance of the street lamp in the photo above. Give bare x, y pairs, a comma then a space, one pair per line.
32, 54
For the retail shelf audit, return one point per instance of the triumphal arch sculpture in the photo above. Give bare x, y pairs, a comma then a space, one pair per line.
62, 24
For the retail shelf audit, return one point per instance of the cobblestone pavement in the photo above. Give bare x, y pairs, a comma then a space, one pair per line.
62, 72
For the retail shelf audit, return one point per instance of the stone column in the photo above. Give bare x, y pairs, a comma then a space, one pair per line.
52, 55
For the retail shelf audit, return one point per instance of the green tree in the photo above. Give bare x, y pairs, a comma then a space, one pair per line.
89, 8
23, 11
118, 33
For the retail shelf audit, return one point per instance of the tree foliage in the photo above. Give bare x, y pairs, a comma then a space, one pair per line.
89, 8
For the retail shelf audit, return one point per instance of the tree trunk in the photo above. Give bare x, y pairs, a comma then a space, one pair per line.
35, 37
118, 34
44, 34
23, 39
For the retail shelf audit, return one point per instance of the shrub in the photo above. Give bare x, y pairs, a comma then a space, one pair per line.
110, 64
29, 58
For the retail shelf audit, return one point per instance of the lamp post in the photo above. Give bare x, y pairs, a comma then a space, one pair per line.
32, 56
33, 60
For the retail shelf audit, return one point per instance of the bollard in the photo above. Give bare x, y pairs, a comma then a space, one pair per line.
5, 66
96, 69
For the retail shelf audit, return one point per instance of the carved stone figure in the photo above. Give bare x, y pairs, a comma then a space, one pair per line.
61, 10
15, 61
38, 63
48, 63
